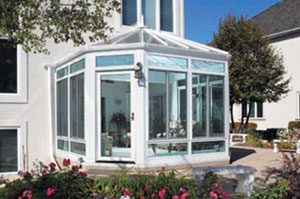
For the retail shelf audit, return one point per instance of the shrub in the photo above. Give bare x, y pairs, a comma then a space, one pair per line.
294, 125
289, 171
164, 185
276, 190
46, 182
291, 136
210, 188
250, 127
254, 139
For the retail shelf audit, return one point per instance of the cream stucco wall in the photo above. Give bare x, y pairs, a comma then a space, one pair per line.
277, 115
32, 113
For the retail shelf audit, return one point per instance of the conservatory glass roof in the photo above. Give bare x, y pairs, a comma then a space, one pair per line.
150, 37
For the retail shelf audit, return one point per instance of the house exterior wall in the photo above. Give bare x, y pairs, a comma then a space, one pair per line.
277, 115
31, 112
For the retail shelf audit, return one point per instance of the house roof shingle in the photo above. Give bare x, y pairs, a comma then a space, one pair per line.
280, 17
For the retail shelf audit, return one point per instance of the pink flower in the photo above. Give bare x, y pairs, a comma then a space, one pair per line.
142, 197
126, 192
213, 195
52, 166
184, 195
182, 190
216, 185
224, 195
66, 162
153, 194
50, 191
27, 194
162, 193
175, 197
75, 168
81, 173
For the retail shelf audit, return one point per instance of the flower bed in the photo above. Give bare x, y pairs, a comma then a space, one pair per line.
47, 182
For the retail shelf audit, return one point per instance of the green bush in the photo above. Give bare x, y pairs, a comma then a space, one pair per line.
254, 139
45, 182
278, 190
251, 127
294, 125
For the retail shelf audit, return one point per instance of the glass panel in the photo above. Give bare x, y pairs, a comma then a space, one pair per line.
199, 85
62, 107
208, 147
259, 109
216, 84
129, 12
169, 62
77, 106
166, 15
8, 150
168, 149
114, 60
157, 105
63, 145
149, 12
177, 105
77, 66
208, 66
62, 72
8, 67
77, 147
115, 116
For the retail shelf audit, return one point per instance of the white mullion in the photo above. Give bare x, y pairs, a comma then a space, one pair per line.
189, 93
208, 107
167, 105
69, 111
157, 20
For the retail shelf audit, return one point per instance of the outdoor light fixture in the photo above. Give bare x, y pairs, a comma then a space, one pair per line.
138, 70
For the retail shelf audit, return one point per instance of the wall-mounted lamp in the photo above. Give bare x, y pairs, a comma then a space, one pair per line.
138, 70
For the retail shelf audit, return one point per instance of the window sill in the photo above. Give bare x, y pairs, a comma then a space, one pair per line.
257, 119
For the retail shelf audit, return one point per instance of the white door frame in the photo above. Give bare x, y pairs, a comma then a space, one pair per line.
98, 120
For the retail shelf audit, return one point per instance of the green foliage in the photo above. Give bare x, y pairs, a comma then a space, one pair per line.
294, 125
249, 128
254, 139
46, 182
278, 190
288, 171
147, 186
32, 22
251, 57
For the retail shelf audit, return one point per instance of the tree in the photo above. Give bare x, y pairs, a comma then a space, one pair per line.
32, 22
256, 69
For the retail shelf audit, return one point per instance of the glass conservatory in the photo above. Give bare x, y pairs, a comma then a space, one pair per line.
143, 98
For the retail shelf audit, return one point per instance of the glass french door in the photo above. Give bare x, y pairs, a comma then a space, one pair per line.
115, 116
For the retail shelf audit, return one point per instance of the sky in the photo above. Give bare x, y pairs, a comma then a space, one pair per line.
203, 16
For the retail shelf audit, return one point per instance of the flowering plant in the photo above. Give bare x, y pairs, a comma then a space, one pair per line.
211, 188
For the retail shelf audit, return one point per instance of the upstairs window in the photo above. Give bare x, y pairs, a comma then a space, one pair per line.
8, 67
149, 13
256, 111
166, 15
153, 11
129, 12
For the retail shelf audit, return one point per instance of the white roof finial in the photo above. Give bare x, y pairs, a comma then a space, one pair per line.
141, 23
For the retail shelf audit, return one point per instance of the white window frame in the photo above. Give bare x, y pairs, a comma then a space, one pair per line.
189, 72
176, 18
68, 138
255, 111
21, 128
21, 95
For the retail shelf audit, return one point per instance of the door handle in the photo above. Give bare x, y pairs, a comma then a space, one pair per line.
132, 116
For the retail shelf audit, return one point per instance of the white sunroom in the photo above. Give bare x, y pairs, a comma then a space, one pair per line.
144, 99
